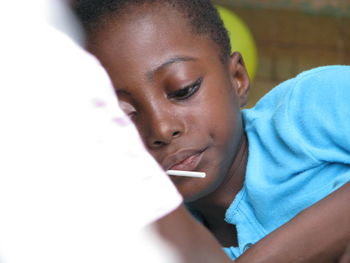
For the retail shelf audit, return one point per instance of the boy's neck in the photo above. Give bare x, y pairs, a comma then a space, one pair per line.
213, 207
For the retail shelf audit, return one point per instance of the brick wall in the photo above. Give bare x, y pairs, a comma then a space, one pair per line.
290, 40
330, 7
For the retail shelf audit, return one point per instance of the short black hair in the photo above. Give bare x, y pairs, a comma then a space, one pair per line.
201, 14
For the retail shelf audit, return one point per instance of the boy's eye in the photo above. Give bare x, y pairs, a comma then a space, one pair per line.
187, 91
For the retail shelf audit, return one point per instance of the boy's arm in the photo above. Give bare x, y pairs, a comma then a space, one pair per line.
190, 240
318, 234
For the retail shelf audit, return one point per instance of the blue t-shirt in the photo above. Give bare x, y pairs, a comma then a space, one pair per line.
299, 152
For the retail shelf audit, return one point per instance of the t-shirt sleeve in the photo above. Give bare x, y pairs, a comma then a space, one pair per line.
319, 108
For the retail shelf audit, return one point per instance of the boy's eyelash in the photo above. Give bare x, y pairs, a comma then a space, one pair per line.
187, 91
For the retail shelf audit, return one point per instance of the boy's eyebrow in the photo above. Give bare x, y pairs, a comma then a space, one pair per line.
168, 62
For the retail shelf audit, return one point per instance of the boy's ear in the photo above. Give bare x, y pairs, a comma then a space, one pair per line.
239, 77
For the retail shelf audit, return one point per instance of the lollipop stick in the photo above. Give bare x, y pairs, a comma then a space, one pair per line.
185, 173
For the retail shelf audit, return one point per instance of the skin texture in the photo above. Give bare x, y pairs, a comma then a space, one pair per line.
153, 70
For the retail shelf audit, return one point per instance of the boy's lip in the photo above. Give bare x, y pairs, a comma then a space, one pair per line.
186, 160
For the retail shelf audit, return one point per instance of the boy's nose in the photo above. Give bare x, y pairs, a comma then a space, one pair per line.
163, 128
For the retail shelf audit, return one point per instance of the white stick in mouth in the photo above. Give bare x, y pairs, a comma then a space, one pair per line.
185, 173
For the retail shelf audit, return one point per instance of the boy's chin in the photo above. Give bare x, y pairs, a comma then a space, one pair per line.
188, 193
192, 197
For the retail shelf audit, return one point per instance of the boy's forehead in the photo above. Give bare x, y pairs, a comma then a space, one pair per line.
160, 28
146, 38
159, 16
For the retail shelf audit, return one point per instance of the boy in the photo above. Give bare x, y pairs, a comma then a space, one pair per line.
68, 156
171, 67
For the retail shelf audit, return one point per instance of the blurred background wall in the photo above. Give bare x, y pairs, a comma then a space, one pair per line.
292, 36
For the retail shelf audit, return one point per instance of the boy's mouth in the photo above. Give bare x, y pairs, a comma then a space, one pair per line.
185, 160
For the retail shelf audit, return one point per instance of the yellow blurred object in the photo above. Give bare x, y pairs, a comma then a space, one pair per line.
241, 39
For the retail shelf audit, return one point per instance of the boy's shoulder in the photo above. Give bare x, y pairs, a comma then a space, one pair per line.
317, 78
305, 93
323, 76
323, 70
320, 73
316, 107
307, 85
321, 84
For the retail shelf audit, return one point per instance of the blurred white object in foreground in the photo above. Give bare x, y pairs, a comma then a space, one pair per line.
76, 184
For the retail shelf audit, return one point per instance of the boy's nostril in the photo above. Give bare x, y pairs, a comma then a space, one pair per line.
166, 140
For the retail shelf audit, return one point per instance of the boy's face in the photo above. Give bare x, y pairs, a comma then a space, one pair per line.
184, 101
